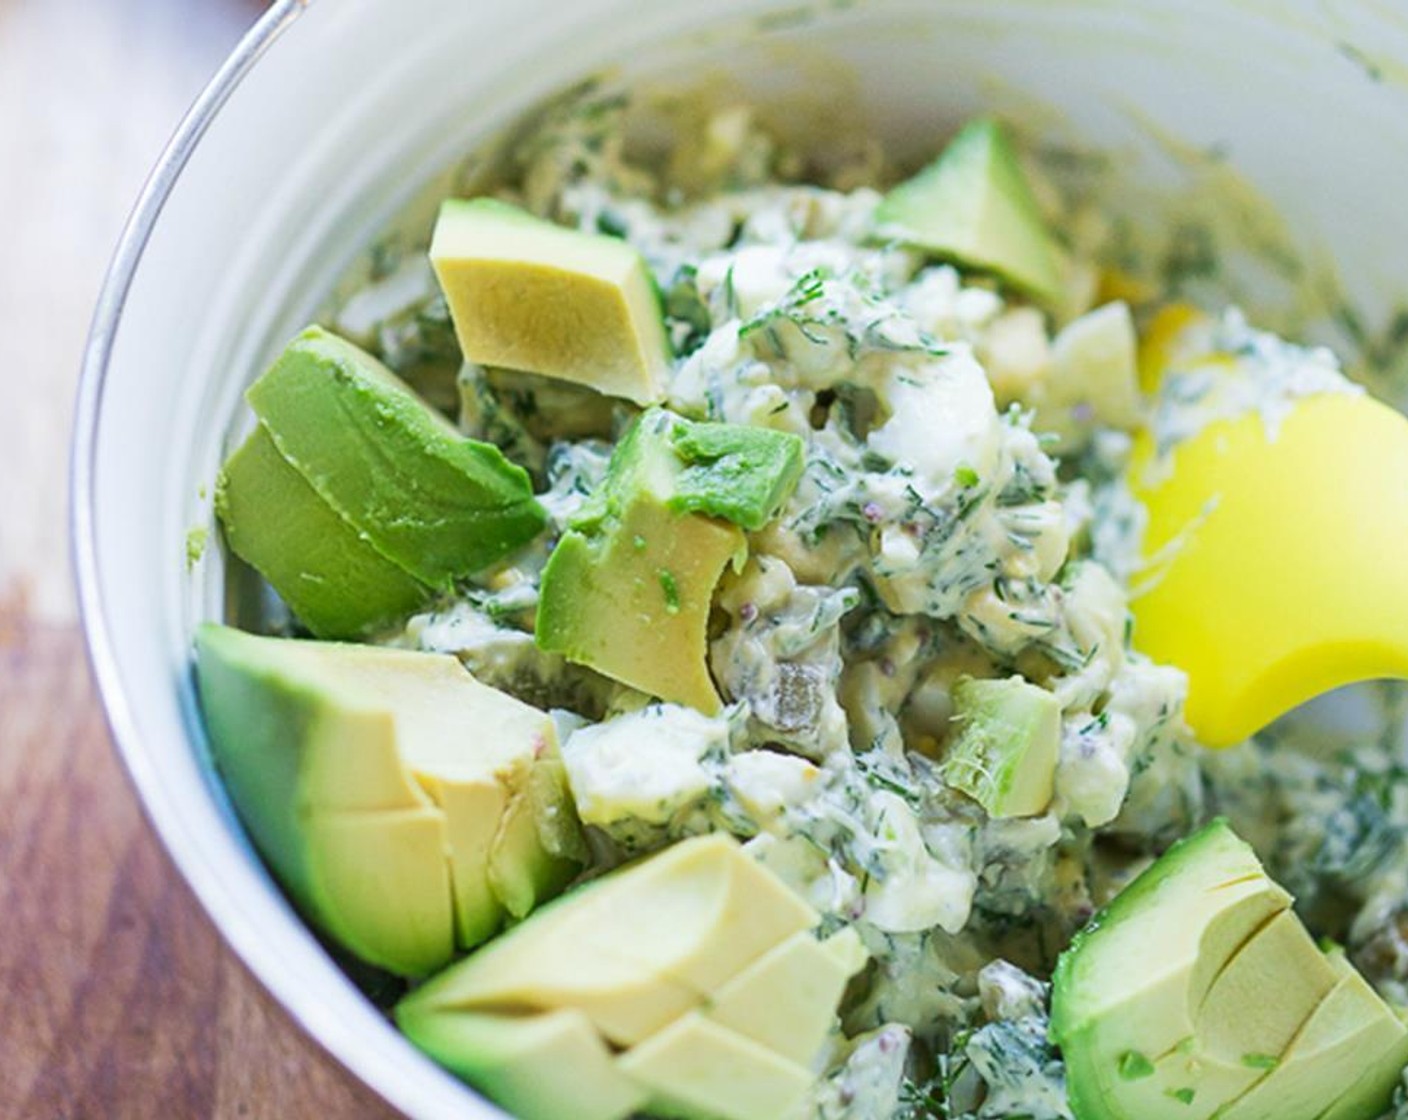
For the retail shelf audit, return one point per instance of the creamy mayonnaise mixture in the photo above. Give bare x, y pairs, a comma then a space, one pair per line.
934, 534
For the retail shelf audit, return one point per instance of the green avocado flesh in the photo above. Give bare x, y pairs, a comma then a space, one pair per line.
973, 206
437, 504
529, 295
689, 984
628, 588
1008, 741
1198, 994
356, 500
407, 809
337, 584
740, 474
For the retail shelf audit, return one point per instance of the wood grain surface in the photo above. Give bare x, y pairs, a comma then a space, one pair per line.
117, 996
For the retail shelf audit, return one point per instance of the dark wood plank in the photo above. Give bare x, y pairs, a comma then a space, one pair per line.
117, 997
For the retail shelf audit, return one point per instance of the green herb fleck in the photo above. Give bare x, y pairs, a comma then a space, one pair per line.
1134, 1066
639, 542
1260, 1061
672, 592
965, 476
1182, 1096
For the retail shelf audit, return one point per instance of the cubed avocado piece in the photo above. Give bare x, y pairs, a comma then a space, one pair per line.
1198, 994
1351, 1029
539, 1066
973, 206
636, 948
438, 505
627, 589
330, 576
1093, 378
529, 295
808, 976
696, 963
1008, 741
738, 473
1230, 1052
696, 1069
377, 784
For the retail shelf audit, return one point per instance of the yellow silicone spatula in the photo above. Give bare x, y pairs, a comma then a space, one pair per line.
1277, 559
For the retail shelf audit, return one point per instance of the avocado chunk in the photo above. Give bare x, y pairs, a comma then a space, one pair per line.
973, 206
1009, 738
697, 966
1093, 378
327, 573
627, 589
433, 502
356, 500
696, 1069
741, 474
808, 974
540, 1067
529, 295
388, 790
1352, 1028
1198, 993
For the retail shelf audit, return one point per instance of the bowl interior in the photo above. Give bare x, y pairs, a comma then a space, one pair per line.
360, 109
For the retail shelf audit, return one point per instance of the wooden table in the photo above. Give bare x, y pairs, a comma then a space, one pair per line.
117, 997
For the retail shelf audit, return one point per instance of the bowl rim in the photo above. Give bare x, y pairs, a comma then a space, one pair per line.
98, 637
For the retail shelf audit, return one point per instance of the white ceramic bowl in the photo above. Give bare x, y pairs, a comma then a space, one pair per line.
331, 115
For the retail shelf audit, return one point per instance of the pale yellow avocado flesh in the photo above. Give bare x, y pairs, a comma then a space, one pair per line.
369, 778
696, 1069
690, 962
802, 973
636, 950
1254, 1007
1351, 1028
637, 609
529, 295
1282, 974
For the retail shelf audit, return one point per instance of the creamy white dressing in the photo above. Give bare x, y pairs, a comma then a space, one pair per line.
1229, 370
932, 536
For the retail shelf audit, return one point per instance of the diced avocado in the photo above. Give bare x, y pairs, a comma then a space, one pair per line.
1009, 738
529, 295
1372, 1092
805, 974
1132, 981
628, 588
974, 206
528, 853
433, 502
541, 1067
637, 948
1197, 993
1351, 1029
379, 786
741, 474
1093, 377
696, 1069
327, 572
696, 962
1282, 972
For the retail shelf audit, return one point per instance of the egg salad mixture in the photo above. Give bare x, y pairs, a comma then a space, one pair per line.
804, 734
